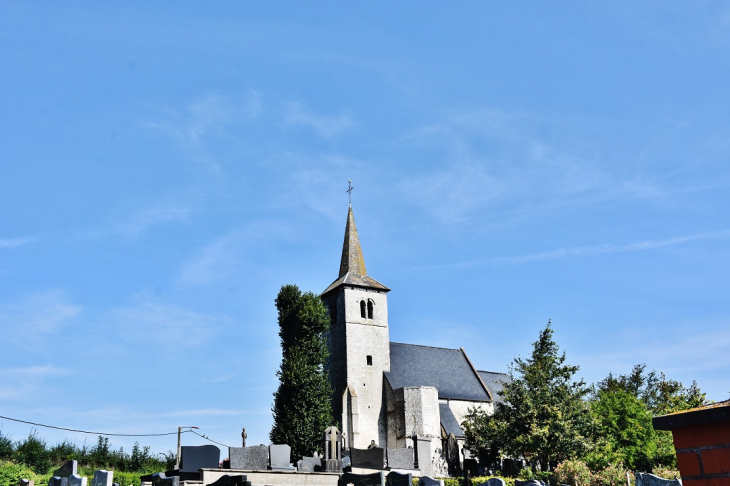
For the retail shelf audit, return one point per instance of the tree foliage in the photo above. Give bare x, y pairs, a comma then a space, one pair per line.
623, 406
624, 422
302, 408
542, 417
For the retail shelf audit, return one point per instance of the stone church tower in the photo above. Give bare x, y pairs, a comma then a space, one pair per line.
359, 345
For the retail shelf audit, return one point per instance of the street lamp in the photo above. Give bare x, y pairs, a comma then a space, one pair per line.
179, 432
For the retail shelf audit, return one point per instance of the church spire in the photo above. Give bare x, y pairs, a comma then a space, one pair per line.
352, 261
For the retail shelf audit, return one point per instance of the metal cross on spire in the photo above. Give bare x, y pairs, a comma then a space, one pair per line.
349, 190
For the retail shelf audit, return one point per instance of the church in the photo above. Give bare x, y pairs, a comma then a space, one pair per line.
396, 395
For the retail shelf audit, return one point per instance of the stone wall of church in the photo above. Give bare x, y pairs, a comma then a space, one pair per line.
368, 356
336, 364
461, 407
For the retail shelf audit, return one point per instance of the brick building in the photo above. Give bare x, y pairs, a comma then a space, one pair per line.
702, 441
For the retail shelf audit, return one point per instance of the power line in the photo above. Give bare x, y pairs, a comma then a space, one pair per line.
207, 438
88, 432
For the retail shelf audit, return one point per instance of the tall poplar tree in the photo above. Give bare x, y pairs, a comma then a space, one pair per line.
302, 408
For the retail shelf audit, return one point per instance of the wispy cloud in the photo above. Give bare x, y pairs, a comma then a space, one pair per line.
19, 382
326, 126
512, 164
32, 321
15, 242
577, 251
136, 222
139, 222
208, 114
696, 350
156, 324
226, 255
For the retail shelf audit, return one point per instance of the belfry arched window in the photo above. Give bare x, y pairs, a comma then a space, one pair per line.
370, 309
362, 309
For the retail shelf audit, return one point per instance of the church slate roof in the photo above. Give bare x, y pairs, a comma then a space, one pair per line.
352, 263
449, 422
448, 370
494, 382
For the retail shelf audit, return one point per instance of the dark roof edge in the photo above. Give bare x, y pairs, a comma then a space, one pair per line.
332, 287
493, 372
695, 416
424, 346
476, 373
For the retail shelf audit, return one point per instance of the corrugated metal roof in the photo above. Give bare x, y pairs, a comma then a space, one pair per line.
445, 369
494, 381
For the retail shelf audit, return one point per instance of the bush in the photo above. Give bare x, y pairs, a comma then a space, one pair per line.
613, 475
573, 472
32, 452
666, 473
483, 479
6, 448
11, 473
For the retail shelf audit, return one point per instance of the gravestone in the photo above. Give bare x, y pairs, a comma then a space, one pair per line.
531, 482
68, 468
375, 479
193, 458
254, 458
26, 482
227, 480
160, 479
103, 478
280, 455
368, 458
303, 466
76, 480
315, 462
429, 481
494, 482
397, 479
401, 458
58, 481
332, 450
646, 479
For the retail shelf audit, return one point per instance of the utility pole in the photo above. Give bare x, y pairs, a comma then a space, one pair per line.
179, 433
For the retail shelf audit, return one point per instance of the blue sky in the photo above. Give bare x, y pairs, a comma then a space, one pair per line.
167, 167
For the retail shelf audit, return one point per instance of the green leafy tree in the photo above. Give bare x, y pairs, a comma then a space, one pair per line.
660, 396
624, 422
484, 435
542, 417
302, 408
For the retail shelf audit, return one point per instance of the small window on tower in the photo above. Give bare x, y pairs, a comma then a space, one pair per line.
370, 360
362, 309
370, 309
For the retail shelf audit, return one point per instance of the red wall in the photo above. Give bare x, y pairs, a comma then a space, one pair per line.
703, 454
